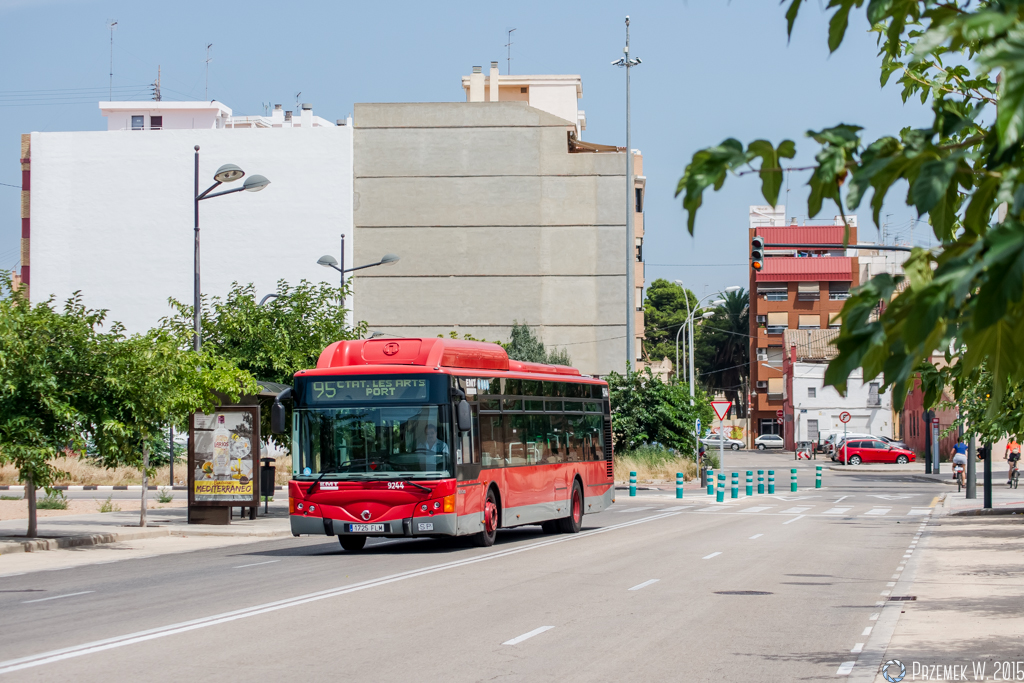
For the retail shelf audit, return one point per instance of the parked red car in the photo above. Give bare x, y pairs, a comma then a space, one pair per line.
873, 450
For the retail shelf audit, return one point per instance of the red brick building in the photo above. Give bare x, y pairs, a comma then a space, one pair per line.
798, 288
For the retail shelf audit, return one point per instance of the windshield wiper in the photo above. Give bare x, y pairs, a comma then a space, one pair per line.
412, 483
329, 470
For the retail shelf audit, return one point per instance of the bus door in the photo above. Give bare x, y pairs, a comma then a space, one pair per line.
469, 502
527, 479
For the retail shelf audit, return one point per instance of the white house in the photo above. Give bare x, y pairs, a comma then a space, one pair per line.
812, 410
110, 213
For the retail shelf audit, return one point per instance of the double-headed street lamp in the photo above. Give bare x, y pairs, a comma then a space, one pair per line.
329, 261
228, 173
689, 323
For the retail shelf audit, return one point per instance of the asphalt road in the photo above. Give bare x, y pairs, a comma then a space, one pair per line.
654, 589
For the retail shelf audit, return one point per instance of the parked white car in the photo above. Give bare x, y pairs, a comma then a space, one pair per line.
769, 441
711, 442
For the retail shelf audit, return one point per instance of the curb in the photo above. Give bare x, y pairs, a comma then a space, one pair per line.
38, 544
21, 488
987, 512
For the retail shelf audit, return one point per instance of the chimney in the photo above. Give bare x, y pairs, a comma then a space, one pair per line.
288, 119
494, 82
793, 221
476, 85
307, 115
277, 116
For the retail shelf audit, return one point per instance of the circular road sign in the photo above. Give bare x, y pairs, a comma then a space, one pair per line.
779, 420
844, 417
778, 413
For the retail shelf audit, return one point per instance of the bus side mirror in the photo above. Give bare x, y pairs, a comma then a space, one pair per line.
463, 416
277, 421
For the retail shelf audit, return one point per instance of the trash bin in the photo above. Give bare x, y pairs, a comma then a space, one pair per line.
267, 479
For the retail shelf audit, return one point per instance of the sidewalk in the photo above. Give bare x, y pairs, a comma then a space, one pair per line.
1005, 501
966, 590
113, 527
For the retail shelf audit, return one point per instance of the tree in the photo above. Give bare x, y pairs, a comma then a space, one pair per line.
43, 376
523, 345
646, 410
665, 311
270, 342
722, 345
959, 170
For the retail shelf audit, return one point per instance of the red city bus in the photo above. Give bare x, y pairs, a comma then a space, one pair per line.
443, 437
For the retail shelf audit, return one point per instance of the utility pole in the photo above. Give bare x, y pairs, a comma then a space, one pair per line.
156, 86
629, 63
928, 441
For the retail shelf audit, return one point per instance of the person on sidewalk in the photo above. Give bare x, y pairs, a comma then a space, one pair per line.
1012, 455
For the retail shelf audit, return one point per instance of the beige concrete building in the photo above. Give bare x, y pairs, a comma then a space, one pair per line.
500, 213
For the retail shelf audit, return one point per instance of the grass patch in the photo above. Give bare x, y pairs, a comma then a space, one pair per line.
109, 505
11, 498
52, 501
653, 463
164, 495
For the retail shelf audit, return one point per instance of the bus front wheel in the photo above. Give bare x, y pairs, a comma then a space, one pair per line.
352, 543
485, 538
574, 522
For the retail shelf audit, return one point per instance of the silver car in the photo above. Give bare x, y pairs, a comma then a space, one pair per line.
712, 443
769, 441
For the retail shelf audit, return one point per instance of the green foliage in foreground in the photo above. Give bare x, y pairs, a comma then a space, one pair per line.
967, 293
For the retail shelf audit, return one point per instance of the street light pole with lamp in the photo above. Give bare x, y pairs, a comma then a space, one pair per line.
228, 173
329, 261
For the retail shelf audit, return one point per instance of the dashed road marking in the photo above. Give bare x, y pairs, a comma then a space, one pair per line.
644, 584
755, 536
859, 647
867, 631
845, 668
255, 564
57, 597
708, 557
525, 636
790, 521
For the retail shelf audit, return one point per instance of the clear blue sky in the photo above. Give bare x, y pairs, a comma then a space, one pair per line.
711, 69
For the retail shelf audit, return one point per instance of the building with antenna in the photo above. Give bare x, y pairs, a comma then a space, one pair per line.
109, 213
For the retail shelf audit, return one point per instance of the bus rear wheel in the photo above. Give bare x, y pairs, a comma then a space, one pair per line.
485, 538
574, 522
352, 543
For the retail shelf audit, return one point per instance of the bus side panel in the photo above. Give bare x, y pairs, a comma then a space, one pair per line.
469, 504
599, 490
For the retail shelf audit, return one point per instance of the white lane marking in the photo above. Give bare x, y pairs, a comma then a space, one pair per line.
880, 603
867, 631
61, 654
873, 617
859, 647
711, 509
755, 536
57, 597
708, 557
255, 564
796, 510
525, 636
644, 584
760, 508
919, 511
790, 521
878, 511
4, 576
837, 511
895, 576
631, 510
891, 584
845, 668
681, 507
882, 593
842, 498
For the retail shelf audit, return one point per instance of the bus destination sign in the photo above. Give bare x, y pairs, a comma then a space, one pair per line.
364, 390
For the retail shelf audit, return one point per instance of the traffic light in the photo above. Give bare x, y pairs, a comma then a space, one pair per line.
757, 253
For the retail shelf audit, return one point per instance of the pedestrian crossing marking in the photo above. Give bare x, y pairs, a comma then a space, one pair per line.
761, 508
878, 511
919, 511
796, 510
837, 511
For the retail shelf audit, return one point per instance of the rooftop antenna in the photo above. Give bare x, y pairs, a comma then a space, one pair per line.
885, 225
111, 24
297, 96
508, 47
208, 60
156, 86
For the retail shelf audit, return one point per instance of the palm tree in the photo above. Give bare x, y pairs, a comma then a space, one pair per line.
723, 348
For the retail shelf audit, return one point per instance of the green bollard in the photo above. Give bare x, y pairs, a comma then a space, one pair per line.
750, 483
792, 480
760, 481
720, 494
817, 477
632, 483
679, 484
735, 485
771, 482
711, 482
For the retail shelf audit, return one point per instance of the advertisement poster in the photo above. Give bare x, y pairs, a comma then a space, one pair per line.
224, 457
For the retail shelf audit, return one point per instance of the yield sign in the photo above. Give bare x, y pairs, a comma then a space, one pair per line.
721, 408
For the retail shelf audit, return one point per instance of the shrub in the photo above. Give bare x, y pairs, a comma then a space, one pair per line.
109, 505
54, 500
164, 495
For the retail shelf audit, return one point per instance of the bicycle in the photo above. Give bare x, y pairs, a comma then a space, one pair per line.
958, 474
1014, 475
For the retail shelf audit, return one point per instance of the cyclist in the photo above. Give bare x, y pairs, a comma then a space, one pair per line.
1012, 454
959, 460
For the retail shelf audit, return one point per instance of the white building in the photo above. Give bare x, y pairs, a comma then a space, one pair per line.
816, 408
110, 213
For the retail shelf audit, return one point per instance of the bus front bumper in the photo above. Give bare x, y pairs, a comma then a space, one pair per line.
435, 525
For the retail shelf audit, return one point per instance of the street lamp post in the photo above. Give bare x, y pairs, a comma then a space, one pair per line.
630, 210
329, 261
228, 173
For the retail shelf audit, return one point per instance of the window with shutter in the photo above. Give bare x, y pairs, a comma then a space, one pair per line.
810, 322
808, 291
777, 322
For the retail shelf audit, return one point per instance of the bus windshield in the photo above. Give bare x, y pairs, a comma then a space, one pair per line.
373, 441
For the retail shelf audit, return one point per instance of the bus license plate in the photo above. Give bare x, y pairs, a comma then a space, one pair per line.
365, 528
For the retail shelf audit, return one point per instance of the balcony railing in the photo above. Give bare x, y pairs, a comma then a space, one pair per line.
808, 296
777, 329
774, 397
776, 296
838, 296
